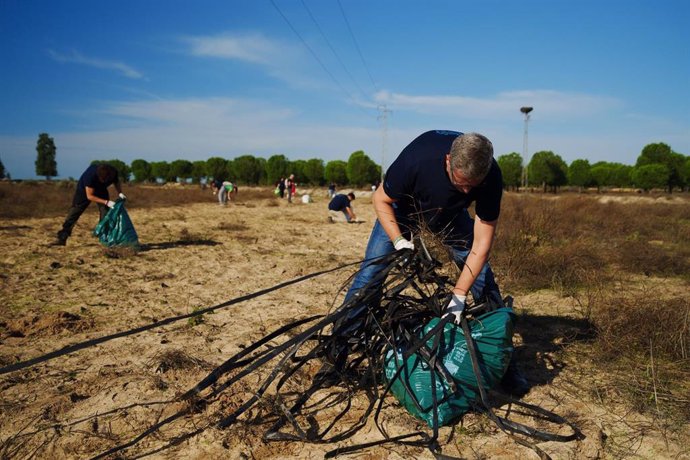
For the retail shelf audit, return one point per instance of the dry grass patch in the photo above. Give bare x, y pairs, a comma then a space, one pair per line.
563, 242
53, 198
583, 249
190, 237
644, 345
165, 361
121, 252
59, 322
233, 226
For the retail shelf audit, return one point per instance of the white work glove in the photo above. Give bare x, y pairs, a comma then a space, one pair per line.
122, 196
455, 307
110, 204
401, 243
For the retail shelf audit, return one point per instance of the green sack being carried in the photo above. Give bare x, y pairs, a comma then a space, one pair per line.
116, 228
492, 333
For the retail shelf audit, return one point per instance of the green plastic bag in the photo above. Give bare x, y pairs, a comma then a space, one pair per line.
116, 228
492, 334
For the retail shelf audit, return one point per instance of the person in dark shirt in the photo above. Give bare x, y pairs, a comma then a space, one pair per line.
431, 184
281, 187
92, 186
433, 181
341, 204
216, 186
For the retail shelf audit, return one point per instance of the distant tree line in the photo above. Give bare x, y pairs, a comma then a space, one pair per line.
657, 167
359, 170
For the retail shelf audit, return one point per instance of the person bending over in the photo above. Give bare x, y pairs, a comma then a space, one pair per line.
92, 187
341, 206
432, 182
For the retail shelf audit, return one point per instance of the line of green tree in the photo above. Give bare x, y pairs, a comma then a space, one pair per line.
359, 170
657, 167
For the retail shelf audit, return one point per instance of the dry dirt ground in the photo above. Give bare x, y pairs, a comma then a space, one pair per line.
81, 404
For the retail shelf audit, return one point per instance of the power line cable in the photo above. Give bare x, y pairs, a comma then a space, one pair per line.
313, 53
361, 56
333, 50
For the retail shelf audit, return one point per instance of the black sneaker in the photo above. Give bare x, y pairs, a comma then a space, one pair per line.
58, 242
513, 382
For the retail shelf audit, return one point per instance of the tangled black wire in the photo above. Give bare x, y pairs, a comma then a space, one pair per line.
349, 344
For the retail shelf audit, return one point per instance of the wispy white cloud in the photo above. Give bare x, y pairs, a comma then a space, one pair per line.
250, 47
203, 113
504, 104
280, 59
78, 58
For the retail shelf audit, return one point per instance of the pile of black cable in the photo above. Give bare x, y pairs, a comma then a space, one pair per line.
319, 379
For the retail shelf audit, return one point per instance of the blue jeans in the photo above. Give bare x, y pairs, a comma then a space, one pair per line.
222, 195
380, 245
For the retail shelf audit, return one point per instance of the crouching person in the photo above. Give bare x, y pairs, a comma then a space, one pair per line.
340, 208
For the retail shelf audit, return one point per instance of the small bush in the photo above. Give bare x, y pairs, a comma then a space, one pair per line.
640, 256
644, 345
195, 320
175, 360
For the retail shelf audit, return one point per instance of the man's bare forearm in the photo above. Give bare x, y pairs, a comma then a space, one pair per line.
383, 207
473, 265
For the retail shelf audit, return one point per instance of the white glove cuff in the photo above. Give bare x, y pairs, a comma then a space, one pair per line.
457, 303
458, 299
402, 243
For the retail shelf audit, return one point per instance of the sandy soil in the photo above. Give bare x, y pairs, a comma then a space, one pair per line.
81, 404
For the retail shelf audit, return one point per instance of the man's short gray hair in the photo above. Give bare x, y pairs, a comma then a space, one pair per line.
472, 153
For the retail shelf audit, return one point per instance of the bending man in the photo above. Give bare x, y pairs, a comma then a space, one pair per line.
342, 204
433, 181
92, 186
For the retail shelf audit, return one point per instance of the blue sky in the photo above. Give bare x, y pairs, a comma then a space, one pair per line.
164, 80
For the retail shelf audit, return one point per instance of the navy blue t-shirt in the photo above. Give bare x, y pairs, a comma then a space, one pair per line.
418, 180
90, 179
339, 203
